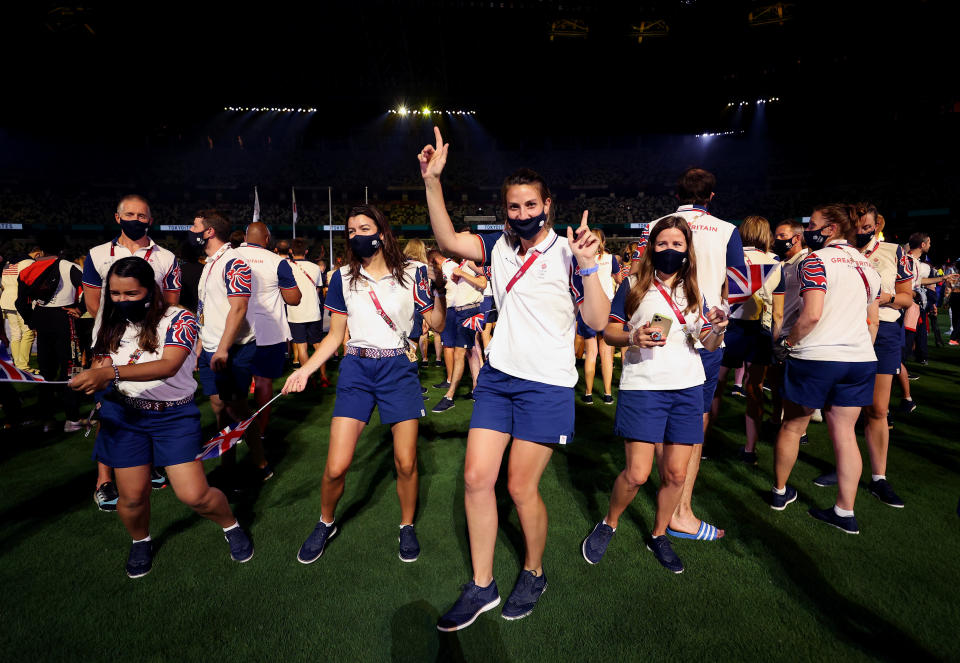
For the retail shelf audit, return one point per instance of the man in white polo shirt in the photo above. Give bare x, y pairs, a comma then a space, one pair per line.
134, 218
273, 285
717, 245
306, 321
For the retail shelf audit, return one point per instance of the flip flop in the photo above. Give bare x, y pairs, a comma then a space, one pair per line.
707, 532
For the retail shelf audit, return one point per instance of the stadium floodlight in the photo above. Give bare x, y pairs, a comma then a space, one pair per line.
426, 110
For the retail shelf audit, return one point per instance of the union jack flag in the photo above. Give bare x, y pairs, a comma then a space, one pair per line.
474, 322
10, 373
743, 282
228, 438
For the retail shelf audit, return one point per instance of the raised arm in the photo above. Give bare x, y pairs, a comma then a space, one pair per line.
432, 160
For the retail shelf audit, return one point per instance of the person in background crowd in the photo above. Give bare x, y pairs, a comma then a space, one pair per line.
282, 248
830, 360
236, 239
718, 247
135, 219
273, 285
594, 345
788, 247
416, 250
21, 336
145, 348
306, 325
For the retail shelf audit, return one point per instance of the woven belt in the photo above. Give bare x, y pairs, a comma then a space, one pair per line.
153, 406
374, 353
467, 307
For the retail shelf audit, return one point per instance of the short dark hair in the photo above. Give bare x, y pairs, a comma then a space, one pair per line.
217, 220
795, 226
298, 246
916, 239
695, 186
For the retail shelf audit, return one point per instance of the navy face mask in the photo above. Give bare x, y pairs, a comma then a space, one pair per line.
134, 310
781, 246
133, 228
364, 246
197, 238
528, 228
668, 261
814, 239
863, 239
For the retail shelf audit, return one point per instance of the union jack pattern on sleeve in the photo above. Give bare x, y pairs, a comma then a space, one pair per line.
813, 275
183, 330
238, 279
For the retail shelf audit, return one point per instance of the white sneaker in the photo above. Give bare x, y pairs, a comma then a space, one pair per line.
72, 426
817, 416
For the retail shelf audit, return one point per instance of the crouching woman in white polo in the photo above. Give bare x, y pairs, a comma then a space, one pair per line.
658, 314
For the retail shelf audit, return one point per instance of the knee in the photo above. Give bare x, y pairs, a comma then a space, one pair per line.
674, 476
878, 411
406, 467
336, 471
521, 491
475, 480
636, 476
135, 500
194, 497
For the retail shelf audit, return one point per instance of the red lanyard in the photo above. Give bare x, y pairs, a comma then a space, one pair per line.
866, 283
523, 269
203, 290
381, 312
146, 257
676, 310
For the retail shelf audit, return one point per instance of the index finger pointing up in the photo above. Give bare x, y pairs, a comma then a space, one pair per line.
583, 219
438, 137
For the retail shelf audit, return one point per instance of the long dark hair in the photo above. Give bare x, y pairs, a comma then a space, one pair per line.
113, 324
392, 255
686, 276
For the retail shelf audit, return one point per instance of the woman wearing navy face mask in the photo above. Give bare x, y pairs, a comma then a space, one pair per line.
656, 315
830, 358
376, 294
146, 349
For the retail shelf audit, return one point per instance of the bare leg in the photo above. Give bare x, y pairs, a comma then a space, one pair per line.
606, 365
795, 420
476, 363
904, 378
344, 433
437, 346
753, 387
841, 422
628, 482
448, 363
104, 473
528, 460
718, 394
405, 460
876, 430
191, 487
133, 506
459, 355
589, 364
672, 465
480, 470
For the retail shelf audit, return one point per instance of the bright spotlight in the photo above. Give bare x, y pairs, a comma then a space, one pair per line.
426, 111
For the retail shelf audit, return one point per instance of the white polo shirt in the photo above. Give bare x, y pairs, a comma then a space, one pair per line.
791, 291
842, 333
309, 278
398, 300
608, 268
891, 262
717, 246
676, 365
450, 287
465, 293
178, 327
224, 275
536, 323
267, 313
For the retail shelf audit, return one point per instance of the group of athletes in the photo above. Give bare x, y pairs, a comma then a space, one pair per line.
821, 325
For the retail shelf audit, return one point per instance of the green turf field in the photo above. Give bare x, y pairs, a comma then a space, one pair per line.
779, 587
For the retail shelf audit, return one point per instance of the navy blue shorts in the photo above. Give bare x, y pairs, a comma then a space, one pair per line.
888, 347
746, 341
391, 384
585, 330
711, 368
417, 330
454, 334
270, 360
487, 304
233, 382
448, 337
307, 332
660, 416
819, 384
525, 409
131, 438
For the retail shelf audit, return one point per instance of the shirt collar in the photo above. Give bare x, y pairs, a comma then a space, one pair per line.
116, 242
543, 246
690, 208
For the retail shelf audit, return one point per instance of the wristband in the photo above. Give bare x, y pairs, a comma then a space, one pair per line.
116, 376
714, 331
589, 270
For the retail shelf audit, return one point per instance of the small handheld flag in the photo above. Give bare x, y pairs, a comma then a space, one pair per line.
744, 281
228, 438
256, 205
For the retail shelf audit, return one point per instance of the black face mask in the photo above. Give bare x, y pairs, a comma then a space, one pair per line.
197, 238
364, 246
782, 246
669, 261
528, 228
863, 239
134, 310
814, 239
133, 228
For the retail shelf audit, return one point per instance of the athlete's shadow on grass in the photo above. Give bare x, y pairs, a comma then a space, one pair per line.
22, 518
410, 642
850, 621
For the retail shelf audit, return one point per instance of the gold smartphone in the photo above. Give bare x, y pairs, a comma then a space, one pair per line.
662, 323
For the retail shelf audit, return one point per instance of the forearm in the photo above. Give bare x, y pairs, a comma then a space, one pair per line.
710, 340
171, 297
91, 297
328, 346
478, 282
462, 244
152, 370
615, 335
235, 318
804, 325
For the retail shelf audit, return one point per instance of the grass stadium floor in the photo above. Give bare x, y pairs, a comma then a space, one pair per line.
779, 586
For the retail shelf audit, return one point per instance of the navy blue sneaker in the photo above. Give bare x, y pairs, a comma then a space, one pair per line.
780, 502
607, 399
140, 559
409, 546
442, 385
847, 524
313, 547
444, 405
826, 480
526, 592
106, 496
241, 547
883, 491
587, 399
596, 543
663, 551
472, 602
804, 439
157, 480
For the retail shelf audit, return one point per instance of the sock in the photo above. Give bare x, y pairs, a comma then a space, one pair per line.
843, 513
233, 526
325, 523
780, 491
877, 477
401, 525
143, 540
608, 525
